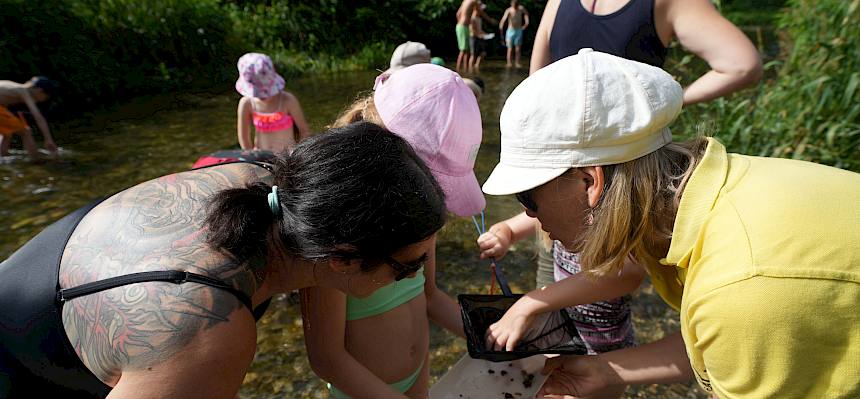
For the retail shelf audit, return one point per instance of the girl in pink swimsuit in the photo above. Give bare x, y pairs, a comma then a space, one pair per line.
276, 115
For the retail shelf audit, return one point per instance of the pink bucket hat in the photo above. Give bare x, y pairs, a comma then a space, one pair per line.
257, 76
433, 109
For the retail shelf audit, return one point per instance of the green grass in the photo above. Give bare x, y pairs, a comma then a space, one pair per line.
809, 108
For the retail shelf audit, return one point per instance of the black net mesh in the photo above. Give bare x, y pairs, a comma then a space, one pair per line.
551, 333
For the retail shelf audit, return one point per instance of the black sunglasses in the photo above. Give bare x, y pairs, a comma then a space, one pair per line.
525, 198
404, 270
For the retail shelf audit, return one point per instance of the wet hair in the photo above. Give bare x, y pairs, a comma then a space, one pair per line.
48, 86
362, 109
637, 209
354, 192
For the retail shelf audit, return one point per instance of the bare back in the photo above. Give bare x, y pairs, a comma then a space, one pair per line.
464, 13
11, 92
154, 226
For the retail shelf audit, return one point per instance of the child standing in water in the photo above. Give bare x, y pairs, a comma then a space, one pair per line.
477, 46
517, 18
377, 347
276, 115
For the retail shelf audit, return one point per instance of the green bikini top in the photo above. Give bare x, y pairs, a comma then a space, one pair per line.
385, 298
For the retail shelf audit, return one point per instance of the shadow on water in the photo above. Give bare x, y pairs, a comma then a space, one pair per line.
153, 136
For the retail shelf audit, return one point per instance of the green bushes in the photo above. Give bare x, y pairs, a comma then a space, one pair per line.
811, 108
106, 50
102, 50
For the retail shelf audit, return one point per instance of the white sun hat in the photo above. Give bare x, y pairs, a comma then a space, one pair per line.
588, 109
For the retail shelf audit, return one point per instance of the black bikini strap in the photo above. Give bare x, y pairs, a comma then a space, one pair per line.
173, 276
265, 165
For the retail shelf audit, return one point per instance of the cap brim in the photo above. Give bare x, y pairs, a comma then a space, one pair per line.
393, 69
506, 179
463, 194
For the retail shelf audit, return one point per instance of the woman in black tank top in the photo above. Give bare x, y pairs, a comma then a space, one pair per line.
628, 32
641, 30
153, 292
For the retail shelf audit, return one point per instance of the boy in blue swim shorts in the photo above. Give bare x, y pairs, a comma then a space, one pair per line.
517, 18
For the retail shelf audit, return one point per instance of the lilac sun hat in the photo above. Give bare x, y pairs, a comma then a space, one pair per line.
433, 109
257, 76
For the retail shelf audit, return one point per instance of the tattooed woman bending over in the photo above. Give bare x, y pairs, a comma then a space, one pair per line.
153, 292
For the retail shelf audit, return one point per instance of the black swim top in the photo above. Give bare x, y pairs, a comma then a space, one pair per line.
629, 32
36, 357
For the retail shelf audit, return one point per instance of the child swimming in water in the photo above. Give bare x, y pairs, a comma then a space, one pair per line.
276, 115
378, 347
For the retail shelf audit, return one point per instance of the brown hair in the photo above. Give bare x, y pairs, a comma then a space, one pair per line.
636, 212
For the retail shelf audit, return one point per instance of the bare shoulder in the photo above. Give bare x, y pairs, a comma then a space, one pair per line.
155, 226
289, 98
245, 103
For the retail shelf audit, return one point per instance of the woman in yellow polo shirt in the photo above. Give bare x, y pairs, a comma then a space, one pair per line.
760, 256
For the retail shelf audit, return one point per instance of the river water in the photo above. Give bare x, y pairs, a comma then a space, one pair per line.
153, 136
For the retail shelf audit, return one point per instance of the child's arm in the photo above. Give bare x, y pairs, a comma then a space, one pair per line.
243, 124
525, 17
40, 121
441, 308
574, 290
496, 241
483, 14
295, 109
504, 18
324, 315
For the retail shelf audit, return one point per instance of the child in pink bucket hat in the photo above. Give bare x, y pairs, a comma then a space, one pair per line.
379, 346
276, 115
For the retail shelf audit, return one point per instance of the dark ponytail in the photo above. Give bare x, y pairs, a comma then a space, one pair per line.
239, 221
358, 191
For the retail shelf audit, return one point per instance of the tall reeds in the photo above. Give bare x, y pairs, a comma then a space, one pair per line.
809, 106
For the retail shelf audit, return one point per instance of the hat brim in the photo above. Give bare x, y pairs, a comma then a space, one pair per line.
506, 179
393, 69
250, 91
463, 195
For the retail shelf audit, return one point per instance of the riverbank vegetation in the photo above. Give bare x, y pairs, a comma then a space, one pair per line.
104, 51
808, 106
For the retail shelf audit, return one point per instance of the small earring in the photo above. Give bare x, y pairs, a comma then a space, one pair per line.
589, 219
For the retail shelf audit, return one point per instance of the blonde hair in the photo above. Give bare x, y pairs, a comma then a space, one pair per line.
636, 212
362, 109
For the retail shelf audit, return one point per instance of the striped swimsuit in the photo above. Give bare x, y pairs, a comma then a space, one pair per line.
605, 325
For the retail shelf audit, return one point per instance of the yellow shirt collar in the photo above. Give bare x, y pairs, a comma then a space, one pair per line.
697, 201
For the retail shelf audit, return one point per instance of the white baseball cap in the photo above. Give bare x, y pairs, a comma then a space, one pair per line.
409, 53
588, 109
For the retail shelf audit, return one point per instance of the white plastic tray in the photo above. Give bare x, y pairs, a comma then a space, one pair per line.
481, 379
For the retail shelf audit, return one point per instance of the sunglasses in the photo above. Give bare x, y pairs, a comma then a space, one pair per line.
525, 198
404, 270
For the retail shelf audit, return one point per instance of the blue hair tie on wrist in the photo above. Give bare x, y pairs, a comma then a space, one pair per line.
274, 203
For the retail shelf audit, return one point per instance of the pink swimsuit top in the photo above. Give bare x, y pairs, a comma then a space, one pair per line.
271, 122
